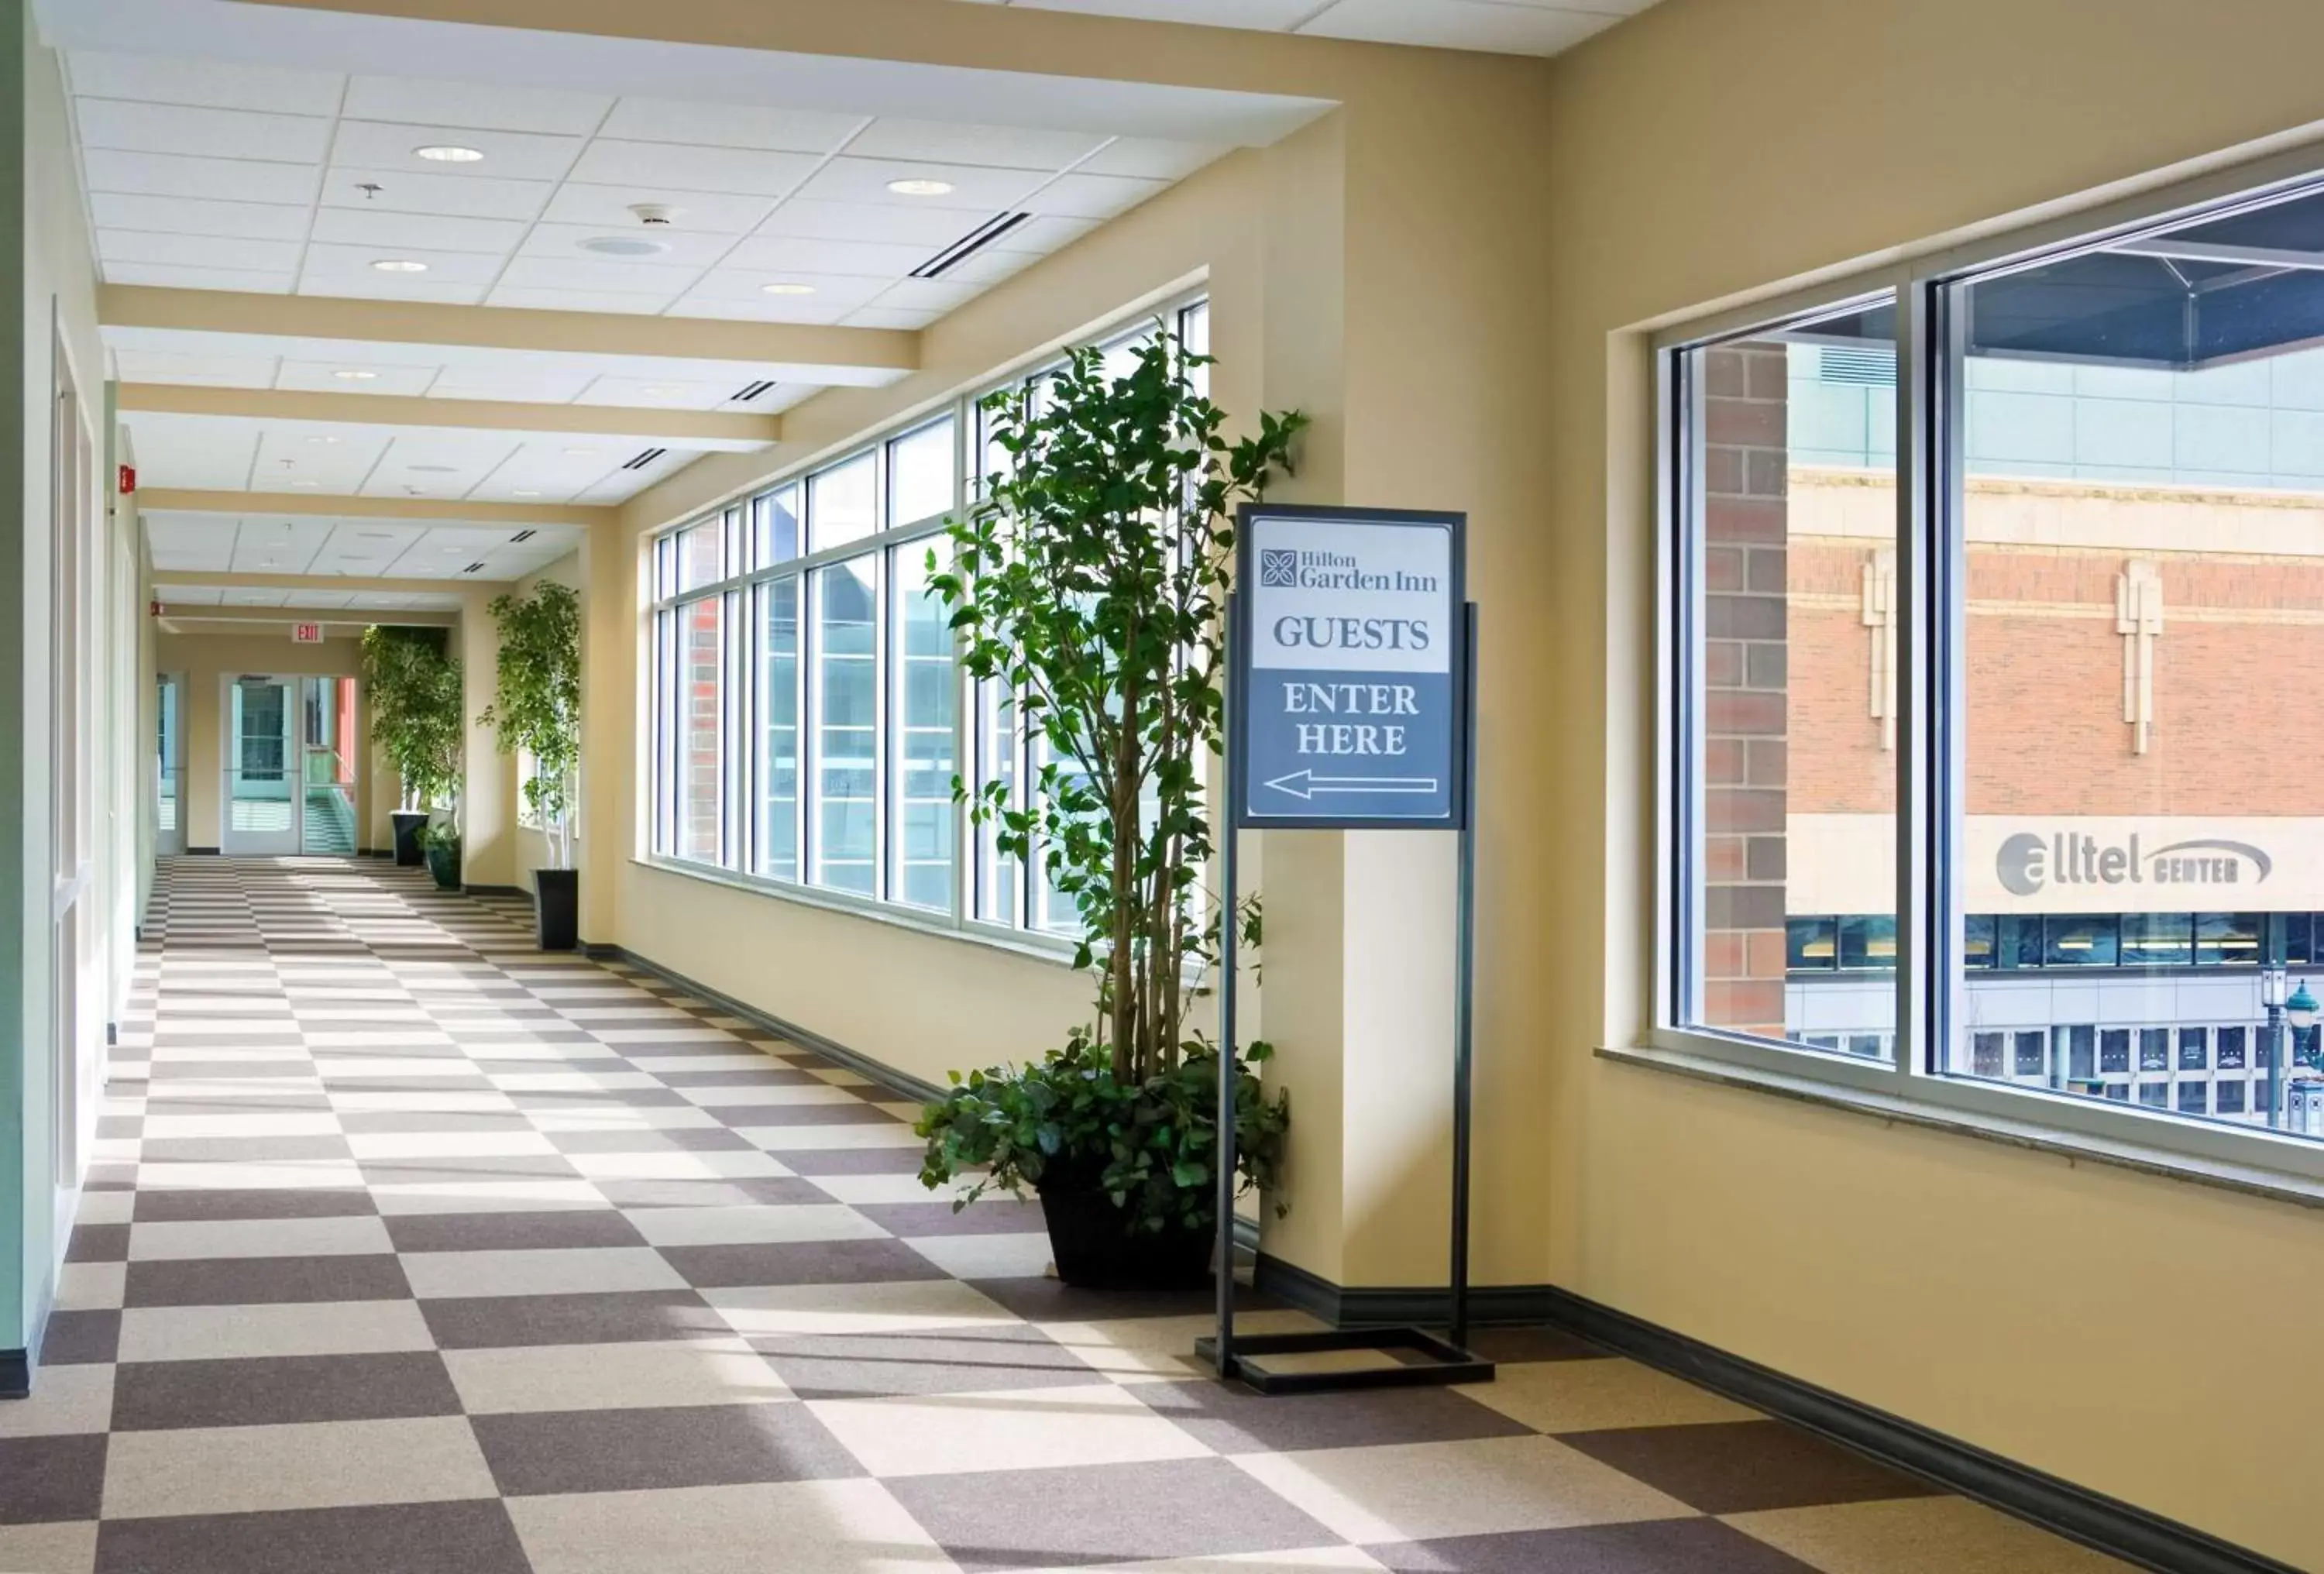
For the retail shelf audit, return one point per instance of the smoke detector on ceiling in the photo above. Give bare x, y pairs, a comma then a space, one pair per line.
655, 213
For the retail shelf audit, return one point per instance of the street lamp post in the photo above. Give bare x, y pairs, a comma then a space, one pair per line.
2271, 994
2301, 1012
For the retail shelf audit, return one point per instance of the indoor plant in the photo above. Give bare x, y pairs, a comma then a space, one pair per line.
1089, 581
439, 840
537, 709
412, 687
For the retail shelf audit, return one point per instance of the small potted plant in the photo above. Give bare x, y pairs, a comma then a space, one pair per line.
1090, 582
537, 710
412, 687
440, 841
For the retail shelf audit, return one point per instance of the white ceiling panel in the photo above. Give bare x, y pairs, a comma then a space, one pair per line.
170, 276
389, 286
1001, 146
943, 294
232, 597
881, 317
749, 285
402, 190
682, 247
581, 202
508, 154
286, 458
480, 106
420, 233
177, 175
208, 83
792, 254
213, 134
852, 179
586, 273
990, 266
535, 384
1461, 24
322, 377
658, 395
637, 303
183, 251
1079, 196
749, 172
213, 371
437, 463
1151, 157
894, 223
1267, 15
185, 215
814, 309
729, 125
190, 595
189, 451
278, 546
355, 264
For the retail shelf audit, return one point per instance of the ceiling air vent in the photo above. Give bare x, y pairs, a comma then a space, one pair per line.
645, 459
753, 392
969, 245
474, 568
1864, 368
523, 536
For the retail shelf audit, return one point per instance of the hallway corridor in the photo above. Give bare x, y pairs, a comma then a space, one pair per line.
411, 1248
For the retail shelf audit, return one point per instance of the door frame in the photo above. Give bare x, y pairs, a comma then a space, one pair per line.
230, 762
170, 841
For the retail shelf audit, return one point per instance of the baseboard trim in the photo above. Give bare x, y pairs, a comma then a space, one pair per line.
910, 1087
2120, 1529
15, 1373
494, 891
201, 852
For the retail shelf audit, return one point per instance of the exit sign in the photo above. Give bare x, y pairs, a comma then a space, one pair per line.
306, 633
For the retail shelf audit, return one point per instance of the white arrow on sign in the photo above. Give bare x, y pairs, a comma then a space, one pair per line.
1302, 784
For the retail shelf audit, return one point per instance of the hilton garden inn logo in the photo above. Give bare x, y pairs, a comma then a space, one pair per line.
2027, 861
1279, 568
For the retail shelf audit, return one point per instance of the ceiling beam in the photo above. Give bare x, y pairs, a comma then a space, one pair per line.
203, 613
787, 352
229, 580
327, 505
682, 428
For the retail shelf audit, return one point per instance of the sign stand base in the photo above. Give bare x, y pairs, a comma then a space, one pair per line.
1446, 1362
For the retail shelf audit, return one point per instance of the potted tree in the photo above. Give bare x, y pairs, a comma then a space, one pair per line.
413, 685
537, 709
1089, 583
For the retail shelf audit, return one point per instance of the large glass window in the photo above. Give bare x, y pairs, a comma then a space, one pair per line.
809, 715
1977, 680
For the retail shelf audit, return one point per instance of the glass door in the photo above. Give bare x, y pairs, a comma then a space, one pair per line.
169, 808
328, 746
261, 818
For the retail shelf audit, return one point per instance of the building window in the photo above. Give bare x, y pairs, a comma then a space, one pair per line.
808, 714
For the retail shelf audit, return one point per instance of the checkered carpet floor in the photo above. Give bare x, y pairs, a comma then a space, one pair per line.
409, 1249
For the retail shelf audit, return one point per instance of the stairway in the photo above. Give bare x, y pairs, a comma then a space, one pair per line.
330, 827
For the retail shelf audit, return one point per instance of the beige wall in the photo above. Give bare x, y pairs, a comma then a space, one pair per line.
205, 662
2028, 1304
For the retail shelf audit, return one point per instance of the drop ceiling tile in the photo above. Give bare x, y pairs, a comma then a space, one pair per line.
256, 221
763, 309
320, 377
167, 277
1079, 196
278, 546
681, 247
255, 598
579, 202
482, 106
1460, 24
1153, 158
198, 251
420, 232
335, 462
1003, 147
527, 384
382, 287
649, 394
894, 223
1265, 14
190, 595
792, 254
881, 317
928, 294
401, 190
516, 155
843, 290
729, 125
355, 262
678, 166
191, 451
217, 134
209, 84
1044, 232
631, 302
596, 273
175, 175
774, 400
213, 371
990, 266
850, 180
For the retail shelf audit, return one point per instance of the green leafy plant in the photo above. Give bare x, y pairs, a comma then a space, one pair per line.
443, 835
413, 688
537, 704
1089, 582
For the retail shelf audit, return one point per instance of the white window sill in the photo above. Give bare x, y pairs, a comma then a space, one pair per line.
940, 926
2168, 1162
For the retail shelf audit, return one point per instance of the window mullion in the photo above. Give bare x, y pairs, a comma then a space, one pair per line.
1920, 875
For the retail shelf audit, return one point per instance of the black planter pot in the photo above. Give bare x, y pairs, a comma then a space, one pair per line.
409, 854
557, 908
444, 863
1094, 1249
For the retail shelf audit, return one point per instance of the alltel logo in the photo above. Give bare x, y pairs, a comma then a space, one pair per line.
2025, 862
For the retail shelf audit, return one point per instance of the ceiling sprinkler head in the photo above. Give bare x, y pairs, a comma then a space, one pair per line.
654, 213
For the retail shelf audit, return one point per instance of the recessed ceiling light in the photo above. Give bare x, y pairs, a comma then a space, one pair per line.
321, 440
918, 186
787, 289
522, 492
623, 246
306, 483
399, 265
349, 375
450, 154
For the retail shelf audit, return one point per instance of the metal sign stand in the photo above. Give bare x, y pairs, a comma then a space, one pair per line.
1443, 1360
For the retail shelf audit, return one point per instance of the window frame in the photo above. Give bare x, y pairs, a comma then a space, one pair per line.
1932, 973
745, 714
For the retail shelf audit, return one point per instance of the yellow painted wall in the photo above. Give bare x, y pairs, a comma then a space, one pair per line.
2133, 1334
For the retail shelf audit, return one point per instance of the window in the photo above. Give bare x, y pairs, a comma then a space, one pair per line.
808, 714
1975, 572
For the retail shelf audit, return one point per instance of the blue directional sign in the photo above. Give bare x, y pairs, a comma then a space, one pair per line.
1347, 691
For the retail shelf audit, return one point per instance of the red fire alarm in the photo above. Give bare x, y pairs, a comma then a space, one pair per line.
128, 479
153, 609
